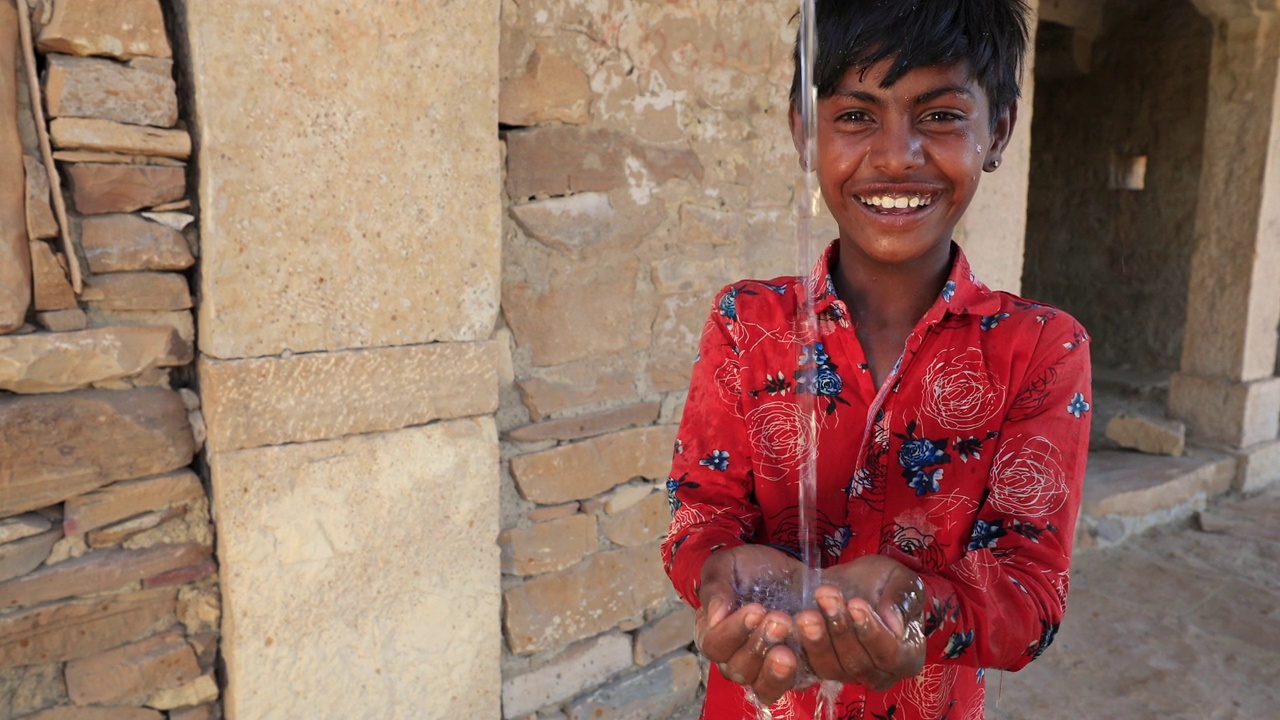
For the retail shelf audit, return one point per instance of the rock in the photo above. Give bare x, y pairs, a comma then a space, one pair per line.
108, 136
68, 548
138, 291
205, 646
57, 362
590, 425
184, 575
68, 320
175, 220
547, 546
40, 221
566, 388
101, 188
199, 609
132, 672
22, 556
584, 469
201, 690
23, 526
645, 522
15, 260
553, 512
49, 276
125, 529
140, 93
181, 320
589, 223
706, 226
126, 243
553, 161
668, 633
652, 694
121, 29
85, 156
625, 497
96, 572
552, 89
587, 599
84, 627
200, 712
1154, 436
553, 326
569, 673
171, 206
681, 275
96, 713
26, 689
58, 446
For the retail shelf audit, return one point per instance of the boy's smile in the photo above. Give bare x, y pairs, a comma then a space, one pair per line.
899, 165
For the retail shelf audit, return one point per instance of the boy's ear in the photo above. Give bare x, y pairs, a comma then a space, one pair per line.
1001, 137
797, 133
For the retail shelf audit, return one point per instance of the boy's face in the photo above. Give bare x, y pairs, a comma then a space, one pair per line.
899, 165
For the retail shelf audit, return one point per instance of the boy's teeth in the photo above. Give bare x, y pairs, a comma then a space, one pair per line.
898, 203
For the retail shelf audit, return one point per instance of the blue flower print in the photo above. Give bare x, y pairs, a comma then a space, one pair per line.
921, 452
1078, 405
990, 321
926, 481
826, 382
957, 644
919, 458
1047, 634
818, 353
818, 375
949, 291
717, 460
985, 534
728, 304
835, 543
673, 485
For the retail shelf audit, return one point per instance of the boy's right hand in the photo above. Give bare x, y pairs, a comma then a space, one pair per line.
746, 642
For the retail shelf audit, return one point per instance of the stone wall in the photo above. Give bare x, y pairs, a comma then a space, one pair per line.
109, 600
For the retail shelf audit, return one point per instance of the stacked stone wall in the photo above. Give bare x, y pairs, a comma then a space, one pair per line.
109, 600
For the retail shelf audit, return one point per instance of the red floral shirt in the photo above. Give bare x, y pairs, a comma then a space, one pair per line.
966, 465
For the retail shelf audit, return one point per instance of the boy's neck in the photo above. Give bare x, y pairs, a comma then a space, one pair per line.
883, 296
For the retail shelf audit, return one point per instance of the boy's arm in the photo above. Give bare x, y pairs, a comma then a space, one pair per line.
1000, 604
709, 489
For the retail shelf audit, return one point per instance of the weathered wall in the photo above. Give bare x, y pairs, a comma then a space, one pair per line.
348, 165
1120, 260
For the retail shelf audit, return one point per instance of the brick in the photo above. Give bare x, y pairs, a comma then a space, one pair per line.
553, 161
54, 447
569, 388
138, 93
552, 325
96, 713
626, 496
644, 522
584, 469
132, 672
40, 221
651, 694
565, 675
201, 690
126, 243
22, 556
552, 88
668, 633
589, 223
110, 136
138, 291
81, 628
589, 425
118, 28
49, 278
96, 572
68, 320
547, 546
1155, 436
56, 362
589, 598
127, 499
104, 188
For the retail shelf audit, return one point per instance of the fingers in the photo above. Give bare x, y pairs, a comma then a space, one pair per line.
720, 634
890, 656
828, 637
762, 661
777, 676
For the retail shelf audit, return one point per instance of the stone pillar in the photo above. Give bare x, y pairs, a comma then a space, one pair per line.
15, 258
349, 182
1226, 391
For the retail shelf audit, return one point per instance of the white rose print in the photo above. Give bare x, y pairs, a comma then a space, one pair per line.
959, 393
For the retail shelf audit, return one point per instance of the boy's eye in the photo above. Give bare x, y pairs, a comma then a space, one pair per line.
853, 116
944, 116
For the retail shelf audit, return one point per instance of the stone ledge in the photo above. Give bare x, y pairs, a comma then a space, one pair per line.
58, 362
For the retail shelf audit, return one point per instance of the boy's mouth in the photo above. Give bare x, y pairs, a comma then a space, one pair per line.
891, 201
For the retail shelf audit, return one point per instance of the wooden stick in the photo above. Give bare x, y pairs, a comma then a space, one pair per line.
55, 180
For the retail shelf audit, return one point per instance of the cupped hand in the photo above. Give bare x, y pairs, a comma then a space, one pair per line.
868, 626
746, 641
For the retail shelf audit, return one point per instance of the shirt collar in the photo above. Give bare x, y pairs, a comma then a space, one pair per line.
962, 294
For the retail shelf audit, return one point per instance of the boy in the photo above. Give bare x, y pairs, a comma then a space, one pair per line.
954, 420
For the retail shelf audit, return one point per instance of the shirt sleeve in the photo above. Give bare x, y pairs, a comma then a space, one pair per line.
710, 486
1000, 605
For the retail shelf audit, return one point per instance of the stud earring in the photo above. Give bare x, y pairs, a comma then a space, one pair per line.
991, 166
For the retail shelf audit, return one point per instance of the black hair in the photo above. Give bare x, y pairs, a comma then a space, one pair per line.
991, 35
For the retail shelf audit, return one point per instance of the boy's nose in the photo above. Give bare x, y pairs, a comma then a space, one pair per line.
896, 150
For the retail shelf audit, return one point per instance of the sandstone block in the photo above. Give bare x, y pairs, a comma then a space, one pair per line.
49, 277
547, 546
23, 526
110, 136
569, 673
564, 389
117, 533
1155, 436
200, 712
53, 447
1259, 467
590, 425
27, 689
589, 598
644, 522
554, 326
551, 161
181, 320
117, 28
63, 320
102, 188
589, 223
271, 401
668, 633
590, 467
86, 156
1238, 414
552, 88
201, 690
625, 497
40, 221
81, 628
57, 362
706, 226
552, 512
125, 243
15, 262
123, 500
22, 556
651, 694
96, 572
119, 676
139, 93
138, 291
96, 713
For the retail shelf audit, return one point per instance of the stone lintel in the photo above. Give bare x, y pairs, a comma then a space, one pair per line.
1258, 467
1238, 414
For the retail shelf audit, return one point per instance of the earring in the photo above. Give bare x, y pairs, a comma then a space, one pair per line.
991, 166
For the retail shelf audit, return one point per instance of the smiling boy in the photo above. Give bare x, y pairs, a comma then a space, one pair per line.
954, 420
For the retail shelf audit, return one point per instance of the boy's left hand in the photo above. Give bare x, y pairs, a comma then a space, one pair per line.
869, 630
